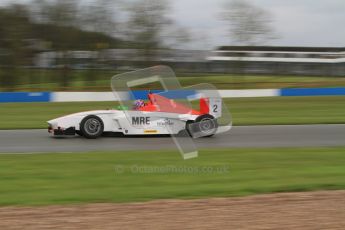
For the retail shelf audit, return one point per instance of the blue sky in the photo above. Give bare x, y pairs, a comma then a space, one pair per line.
296, 22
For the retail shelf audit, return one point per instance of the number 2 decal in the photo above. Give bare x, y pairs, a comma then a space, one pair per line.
215, 108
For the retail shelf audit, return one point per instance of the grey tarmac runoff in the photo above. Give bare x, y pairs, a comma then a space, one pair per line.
38, 140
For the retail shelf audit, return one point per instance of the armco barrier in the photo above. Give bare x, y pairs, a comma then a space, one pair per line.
142, 94
25, 97
313, 91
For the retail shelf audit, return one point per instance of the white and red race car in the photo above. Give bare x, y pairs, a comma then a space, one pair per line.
157, 116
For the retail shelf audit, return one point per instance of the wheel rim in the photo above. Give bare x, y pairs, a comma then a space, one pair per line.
92, 126
207, 126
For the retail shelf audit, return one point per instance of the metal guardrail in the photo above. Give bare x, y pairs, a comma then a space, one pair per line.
108, 96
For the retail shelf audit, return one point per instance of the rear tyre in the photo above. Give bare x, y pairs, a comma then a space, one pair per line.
91, 127
206, 124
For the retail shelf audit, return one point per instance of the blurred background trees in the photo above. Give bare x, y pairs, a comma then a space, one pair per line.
248, 24
149, 27
15, 32
79, 44
63, 26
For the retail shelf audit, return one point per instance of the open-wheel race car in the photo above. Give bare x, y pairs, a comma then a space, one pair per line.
195, 111
157, 115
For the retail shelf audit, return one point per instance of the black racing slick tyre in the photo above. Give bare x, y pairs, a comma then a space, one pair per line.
91, 127
203, 126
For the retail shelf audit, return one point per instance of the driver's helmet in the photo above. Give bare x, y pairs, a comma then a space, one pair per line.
138, 104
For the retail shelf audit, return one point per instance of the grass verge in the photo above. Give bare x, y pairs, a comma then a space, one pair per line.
84, 80
60, 178
245, 111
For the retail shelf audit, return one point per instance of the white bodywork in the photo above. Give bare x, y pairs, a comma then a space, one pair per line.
138, 123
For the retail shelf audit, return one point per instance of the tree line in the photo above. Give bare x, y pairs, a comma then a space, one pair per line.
64, 25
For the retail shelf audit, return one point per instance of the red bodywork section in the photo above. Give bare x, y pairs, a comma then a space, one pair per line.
158, 103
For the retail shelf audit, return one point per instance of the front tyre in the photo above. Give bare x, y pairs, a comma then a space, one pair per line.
91, 127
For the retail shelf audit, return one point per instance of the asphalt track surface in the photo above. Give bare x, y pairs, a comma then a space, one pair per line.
36, 141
